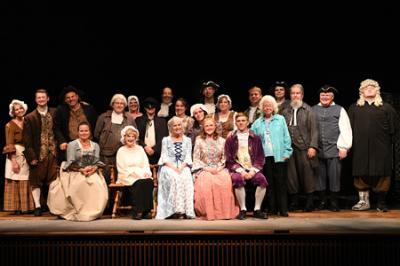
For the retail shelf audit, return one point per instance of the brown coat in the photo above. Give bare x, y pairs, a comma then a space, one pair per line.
31, 134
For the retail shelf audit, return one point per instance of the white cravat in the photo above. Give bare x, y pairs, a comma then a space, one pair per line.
150, 137
117, 118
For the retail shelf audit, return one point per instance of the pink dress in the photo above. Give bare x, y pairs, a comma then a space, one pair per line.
213, 193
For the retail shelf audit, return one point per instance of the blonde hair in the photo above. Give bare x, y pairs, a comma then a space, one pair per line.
269, 98
203, 133
370, 82
129, 129
255, 88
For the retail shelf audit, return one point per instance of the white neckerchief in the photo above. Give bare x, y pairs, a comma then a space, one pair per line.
164, 110
117, 118
43, 111
252, 113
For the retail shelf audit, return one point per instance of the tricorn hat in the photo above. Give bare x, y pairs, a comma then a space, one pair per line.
328, 88
150, 102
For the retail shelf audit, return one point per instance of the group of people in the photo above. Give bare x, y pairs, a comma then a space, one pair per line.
208, 161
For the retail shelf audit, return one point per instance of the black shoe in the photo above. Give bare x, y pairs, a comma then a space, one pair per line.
241, 215
147, 215
284, 214
181, 216
382, 207
334, 206
19, 212
260, 215
37, 212
136, 216
309, 203
294, 203
321, 206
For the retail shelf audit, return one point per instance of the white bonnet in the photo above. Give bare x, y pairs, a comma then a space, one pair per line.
22, 103
197, 105
134, 97
123, 133
224, 96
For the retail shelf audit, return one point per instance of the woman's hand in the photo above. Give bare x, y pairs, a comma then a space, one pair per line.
15, 167
88, 170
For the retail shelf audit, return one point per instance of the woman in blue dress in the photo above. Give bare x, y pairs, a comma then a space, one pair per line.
175, 181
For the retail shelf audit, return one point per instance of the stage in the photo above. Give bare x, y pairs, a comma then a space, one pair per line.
321, 222
316, 238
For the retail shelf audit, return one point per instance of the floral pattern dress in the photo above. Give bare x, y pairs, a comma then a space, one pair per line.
213, 196
175, 190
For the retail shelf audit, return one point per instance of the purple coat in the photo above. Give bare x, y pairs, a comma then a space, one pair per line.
255, 150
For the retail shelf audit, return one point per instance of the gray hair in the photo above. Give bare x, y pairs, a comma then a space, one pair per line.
270, 99
118, 96
298, 85
173, 120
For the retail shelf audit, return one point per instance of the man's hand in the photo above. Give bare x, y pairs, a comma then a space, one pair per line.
63, 146
148, 150
342, 154
311, 152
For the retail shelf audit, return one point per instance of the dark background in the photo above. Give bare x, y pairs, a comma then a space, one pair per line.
238, 47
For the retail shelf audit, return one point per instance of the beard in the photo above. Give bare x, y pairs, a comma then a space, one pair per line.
296, 103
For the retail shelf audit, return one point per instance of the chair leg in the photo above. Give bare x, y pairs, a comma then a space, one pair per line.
117, 197
154, 211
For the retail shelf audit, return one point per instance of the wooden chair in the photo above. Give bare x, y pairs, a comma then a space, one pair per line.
154, 170
117, 190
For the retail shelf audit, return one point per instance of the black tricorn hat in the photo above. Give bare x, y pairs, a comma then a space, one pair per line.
328, 88
67, 89
209, 83
150, 102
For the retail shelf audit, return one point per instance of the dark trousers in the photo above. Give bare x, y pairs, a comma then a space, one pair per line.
301, 172
276, 174
141, 195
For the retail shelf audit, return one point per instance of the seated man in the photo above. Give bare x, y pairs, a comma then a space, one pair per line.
245, 160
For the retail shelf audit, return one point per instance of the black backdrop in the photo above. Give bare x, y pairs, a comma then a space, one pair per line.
141, 54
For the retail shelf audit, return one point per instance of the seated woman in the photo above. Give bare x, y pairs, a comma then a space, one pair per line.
213, 196
175, 181
134, 171
80, 193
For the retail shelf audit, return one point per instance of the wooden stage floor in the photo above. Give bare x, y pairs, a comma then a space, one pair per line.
300, 223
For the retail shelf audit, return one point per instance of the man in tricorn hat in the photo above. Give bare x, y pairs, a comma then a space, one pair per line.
335, 139
152, 130
208, 90
69, 114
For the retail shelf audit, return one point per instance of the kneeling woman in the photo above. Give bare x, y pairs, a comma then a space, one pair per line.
134, 171
175, 181
80, 193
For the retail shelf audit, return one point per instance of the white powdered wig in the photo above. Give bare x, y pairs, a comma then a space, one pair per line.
370, 82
